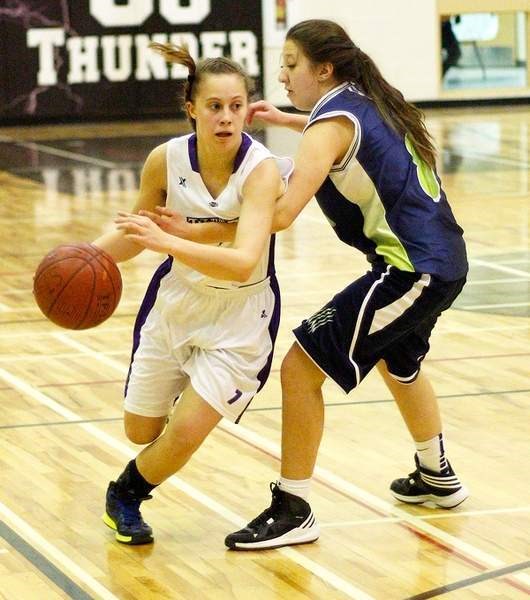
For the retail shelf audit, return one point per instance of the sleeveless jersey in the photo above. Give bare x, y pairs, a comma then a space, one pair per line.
187, 194
383, 199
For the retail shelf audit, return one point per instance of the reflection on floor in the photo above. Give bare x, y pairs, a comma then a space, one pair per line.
488, 156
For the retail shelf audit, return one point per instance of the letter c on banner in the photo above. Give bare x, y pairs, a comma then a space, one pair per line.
195, 12
134, 12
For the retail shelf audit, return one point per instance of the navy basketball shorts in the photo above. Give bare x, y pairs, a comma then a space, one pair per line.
386, 314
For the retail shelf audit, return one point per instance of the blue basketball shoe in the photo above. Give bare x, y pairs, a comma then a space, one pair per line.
122, 514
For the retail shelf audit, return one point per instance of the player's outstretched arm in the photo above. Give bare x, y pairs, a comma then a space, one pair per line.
268, 113
323, 144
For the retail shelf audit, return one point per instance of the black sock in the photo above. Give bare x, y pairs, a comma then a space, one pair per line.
132, 480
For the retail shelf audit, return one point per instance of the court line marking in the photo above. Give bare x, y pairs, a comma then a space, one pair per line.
495, 281
31, 357
471, 307
32, 309
12, 358
449, 515
36, 558
261, 409
45, 149
83, 349
516, 261
448, 329
441, 328
391, 400
62, 423
479, 356
468, 581
325, 575
336, 482
26, 532
496, 267
51, 356
132, 304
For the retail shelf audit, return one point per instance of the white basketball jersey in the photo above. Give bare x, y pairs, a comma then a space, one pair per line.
187, 194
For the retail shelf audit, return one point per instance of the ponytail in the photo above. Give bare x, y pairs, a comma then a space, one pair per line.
403, 117
200, 70
181, 56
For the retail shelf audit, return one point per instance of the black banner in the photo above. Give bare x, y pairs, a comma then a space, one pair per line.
69, 59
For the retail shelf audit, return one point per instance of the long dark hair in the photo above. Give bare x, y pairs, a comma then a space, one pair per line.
326, 41
197, 71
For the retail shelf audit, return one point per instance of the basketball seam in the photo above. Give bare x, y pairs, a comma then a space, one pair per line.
89, 304
59, 260
79, 245
65, 286
38, 274
96, 257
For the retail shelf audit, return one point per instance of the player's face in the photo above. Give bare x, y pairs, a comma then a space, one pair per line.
299, 77
220, 108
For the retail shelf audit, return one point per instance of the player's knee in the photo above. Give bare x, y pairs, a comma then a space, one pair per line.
142, 430
299, 370
291, 362
141, 436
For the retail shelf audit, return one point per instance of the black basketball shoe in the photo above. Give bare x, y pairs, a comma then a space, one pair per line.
289, 520
444, 489
122, 513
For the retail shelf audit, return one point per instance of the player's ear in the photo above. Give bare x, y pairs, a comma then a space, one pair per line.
190, 109
325, 71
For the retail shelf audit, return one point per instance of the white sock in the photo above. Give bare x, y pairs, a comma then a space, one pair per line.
431, 453
297, 487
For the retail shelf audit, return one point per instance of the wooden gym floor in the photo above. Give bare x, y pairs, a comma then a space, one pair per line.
61, 437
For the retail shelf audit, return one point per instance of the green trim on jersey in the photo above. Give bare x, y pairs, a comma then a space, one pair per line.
428, 182
376, 228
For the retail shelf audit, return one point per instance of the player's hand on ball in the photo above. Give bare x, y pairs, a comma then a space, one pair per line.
143, 231
170, 221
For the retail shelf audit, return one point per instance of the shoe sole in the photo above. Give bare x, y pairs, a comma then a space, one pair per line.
448, 502
292, 538
124, 539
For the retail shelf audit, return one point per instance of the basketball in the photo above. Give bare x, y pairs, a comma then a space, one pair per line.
77, 286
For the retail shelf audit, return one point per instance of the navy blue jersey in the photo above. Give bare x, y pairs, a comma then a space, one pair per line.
383, 199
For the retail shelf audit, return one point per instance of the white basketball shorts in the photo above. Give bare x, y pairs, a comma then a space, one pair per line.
220, 341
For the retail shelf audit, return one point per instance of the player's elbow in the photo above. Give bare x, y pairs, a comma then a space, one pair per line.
243, 269
282, 220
